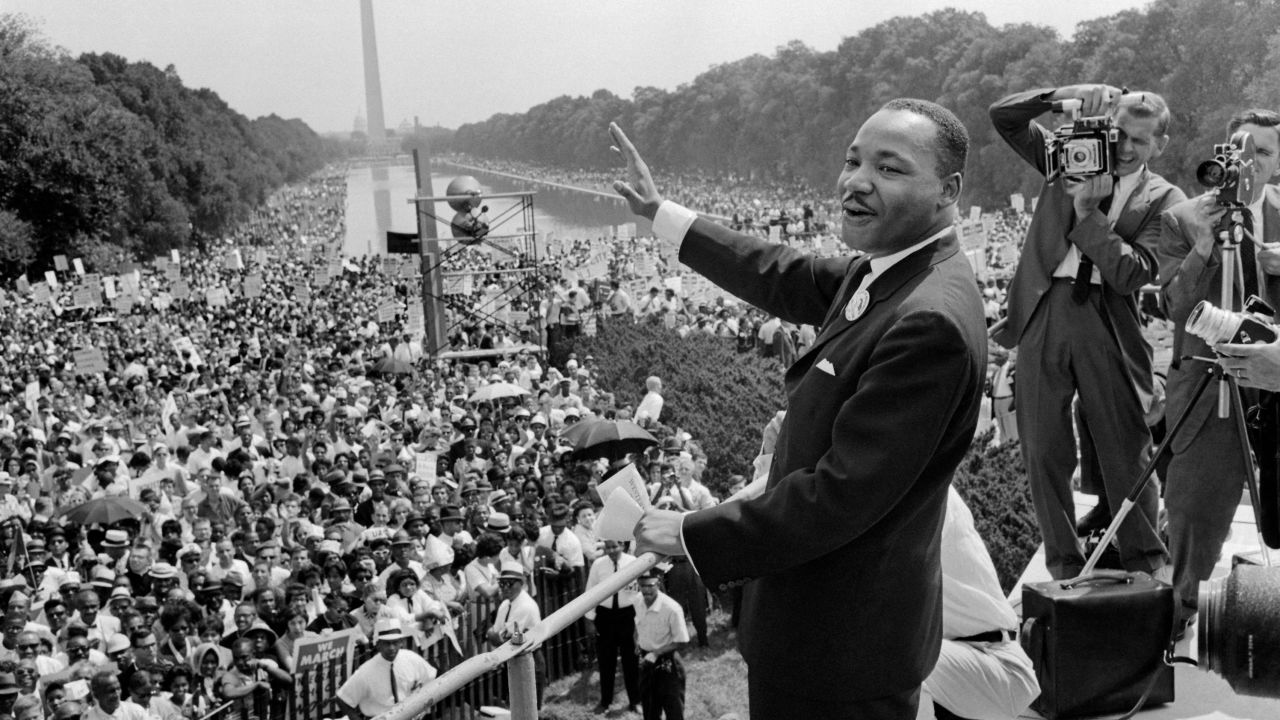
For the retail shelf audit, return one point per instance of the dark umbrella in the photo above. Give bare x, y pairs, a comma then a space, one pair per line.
105, 511
391, 366
610, 439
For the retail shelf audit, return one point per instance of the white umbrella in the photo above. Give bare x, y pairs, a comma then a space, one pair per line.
493, 391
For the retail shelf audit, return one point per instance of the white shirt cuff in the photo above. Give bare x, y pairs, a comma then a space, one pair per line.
683, 545
672, 221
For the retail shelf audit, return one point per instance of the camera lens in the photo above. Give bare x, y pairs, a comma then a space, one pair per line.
1211, 173
1079, 156
1239, 634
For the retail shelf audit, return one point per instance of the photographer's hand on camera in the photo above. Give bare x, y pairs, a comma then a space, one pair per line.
1088, 193
1096, 99
1253, 365
1207, 215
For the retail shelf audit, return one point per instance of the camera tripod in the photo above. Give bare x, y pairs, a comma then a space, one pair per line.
1230, 231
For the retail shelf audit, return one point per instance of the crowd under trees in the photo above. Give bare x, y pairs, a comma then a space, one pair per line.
790, 116
104, 158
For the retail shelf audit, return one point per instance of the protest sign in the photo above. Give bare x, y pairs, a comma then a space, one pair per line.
84, 297
387, 311
315, 661
109, 287
51, 277
23, 285
1017, 201
40, 292
60, 263
180, 290
79, 266
216, 297
123, 305
424, 466
89, 361
172, 273
233, 261
253, 285
173, 255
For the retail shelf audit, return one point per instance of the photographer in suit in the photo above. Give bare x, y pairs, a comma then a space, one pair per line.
844, 542
1207, 471
1073, 315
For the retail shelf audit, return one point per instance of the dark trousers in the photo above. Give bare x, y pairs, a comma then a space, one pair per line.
777, 702
1067, 348
662, 688
686, 587
615, 635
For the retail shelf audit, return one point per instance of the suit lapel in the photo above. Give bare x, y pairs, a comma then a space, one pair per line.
882, 287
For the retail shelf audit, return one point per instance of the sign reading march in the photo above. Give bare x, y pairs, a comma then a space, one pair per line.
320, 665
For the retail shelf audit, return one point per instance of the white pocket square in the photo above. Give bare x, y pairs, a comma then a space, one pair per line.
825, 366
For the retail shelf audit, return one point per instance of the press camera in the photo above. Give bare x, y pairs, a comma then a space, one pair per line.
1232, 170
1083, 148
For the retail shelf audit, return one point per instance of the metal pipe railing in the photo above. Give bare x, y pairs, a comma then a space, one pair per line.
521, 681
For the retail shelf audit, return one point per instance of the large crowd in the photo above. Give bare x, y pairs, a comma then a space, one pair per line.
288, 486
292, 480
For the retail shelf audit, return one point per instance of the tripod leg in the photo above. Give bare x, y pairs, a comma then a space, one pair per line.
1132, 498
1251, 474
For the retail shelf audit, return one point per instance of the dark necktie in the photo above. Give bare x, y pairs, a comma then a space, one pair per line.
615, 595
1084, 274
395, 695
1248, 263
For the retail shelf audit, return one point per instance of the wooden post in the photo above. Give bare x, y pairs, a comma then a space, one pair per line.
523, 687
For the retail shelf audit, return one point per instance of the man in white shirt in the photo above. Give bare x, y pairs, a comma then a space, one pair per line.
615, 622
982, 671
660, 632
386, 678
517, 613
567, 557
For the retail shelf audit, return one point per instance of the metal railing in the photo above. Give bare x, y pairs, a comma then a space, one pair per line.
559, 635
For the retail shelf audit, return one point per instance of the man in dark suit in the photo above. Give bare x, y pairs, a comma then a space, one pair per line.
1207, 470
1073, 315
840, 555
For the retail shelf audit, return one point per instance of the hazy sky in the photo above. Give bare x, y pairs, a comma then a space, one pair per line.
457, 62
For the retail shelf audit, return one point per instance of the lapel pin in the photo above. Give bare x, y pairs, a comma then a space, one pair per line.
857, 305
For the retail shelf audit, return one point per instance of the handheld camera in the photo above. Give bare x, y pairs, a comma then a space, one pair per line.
1084, 148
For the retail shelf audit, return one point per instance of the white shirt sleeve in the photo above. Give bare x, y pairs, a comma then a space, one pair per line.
672, 221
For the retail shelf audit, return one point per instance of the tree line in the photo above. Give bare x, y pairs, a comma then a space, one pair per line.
790, 116
101, 157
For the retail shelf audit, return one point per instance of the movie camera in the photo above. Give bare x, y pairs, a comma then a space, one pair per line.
1231, 171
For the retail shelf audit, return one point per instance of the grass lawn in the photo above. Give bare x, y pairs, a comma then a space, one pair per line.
715, 682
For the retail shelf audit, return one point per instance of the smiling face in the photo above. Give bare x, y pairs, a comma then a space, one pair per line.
889, 188
1140, 141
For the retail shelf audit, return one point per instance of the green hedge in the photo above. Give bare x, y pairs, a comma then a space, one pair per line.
993, 482
719, 396
723, 398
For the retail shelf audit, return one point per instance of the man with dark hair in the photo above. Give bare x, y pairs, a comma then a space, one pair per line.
884, 405
1207, 469
1073, 315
